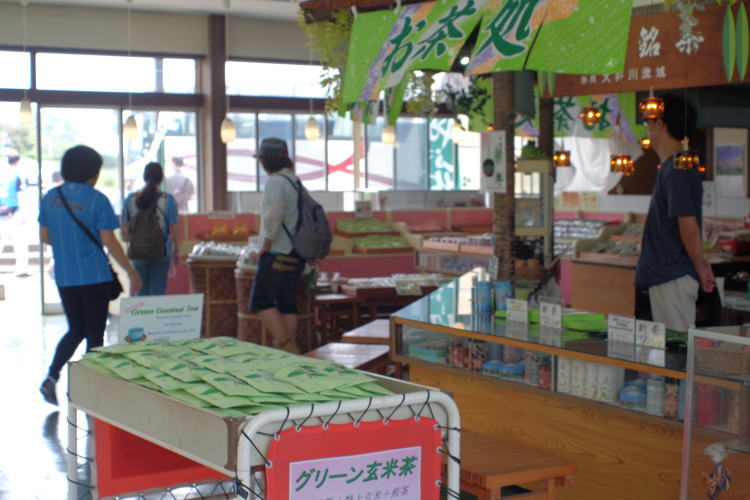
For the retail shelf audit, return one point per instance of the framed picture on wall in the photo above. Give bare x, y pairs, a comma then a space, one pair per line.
730, 164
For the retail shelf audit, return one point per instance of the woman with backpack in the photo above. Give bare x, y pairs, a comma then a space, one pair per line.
149, 225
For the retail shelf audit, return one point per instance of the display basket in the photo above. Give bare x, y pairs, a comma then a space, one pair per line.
723, 360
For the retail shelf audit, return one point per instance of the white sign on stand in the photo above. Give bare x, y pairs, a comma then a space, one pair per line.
651, 334
518, 310
494, 162
550, 313
621, 329
160, 318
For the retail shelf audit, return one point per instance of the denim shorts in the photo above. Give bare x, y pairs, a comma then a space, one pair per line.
275, 283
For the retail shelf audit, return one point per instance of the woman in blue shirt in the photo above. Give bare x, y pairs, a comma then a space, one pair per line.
82, 271
154, 274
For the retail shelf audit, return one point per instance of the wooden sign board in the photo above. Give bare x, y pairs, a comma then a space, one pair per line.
654, 60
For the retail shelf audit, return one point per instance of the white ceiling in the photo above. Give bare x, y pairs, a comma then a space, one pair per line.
285, 10
265, 9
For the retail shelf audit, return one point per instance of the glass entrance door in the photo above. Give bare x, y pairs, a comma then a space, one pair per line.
62, 128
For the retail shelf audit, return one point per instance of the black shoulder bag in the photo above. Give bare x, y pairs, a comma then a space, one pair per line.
116, 288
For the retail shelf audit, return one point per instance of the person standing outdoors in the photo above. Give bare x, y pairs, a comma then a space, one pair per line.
274, 293
672, 265
82, 270
154, 274
11, 185
180, 186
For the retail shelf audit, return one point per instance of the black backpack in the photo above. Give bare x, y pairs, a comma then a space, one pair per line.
312, 236
147, 240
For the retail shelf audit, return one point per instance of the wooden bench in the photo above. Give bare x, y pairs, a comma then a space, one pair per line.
374, 332
490, 468
366, 357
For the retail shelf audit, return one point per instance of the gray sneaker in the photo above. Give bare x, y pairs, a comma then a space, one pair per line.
48, 390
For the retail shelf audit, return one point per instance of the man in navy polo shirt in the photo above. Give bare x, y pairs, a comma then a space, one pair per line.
672, 265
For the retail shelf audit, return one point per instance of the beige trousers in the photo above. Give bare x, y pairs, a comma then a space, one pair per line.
673, 303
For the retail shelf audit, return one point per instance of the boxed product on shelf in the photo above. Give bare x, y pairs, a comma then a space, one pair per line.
380, 244
361, 227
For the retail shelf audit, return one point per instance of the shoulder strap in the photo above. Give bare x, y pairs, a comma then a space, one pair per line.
299, 187
77, 221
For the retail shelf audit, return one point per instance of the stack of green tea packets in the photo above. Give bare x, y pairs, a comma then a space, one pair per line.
231, 377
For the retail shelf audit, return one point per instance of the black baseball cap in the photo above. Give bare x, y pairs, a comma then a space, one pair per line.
272, 147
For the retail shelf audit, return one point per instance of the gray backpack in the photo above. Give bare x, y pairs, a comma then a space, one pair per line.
312, 236
146, 238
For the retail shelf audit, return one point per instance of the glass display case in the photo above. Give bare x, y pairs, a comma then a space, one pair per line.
716, 440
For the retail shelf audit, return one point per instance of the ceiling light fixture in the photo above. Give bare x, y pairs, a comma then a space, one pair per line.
228, 131
312, 130
130, 129
561, 158
25, 114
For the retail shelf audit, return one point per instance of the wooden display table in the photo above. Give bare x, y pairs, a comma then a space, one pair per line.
374, 332
385, 297
215, 280
366, 357
488, 465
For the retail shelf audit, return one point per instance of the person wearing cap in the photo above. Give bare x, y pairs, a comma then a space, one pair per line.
274, 293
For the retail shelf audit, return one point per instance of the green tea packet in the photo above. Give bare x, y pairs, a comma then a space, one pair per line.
215, 397
184, 370
145, 382
225, 347
152, 359
245, 411
164, 381
134, 347
354, 392
231, 385
310, 377
125, 369
216, 364
267, 382
188, 398
345, 375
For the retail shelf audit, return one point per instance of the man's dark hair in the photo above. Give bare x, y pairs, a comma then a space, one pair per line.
679, 116
13, 159
178, 161
276, 163
80, 164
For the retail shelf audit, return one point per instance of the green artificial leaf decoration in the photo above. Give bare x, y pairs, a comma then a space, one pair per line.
730, 43
743, 42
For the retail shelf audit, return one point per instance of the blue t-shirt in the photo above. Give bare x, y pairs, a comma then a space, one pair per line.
78, 261
677, 193
168, 218
10, 185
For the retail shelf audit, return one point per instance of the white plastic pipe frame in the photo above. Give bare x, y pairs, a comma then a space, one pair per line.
270, 422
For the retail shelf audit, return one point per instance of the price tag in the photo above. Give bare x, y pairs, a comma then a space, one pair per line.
621, 329
221, 215
651, 334
550, 314
517, 330
550, 336
518, 310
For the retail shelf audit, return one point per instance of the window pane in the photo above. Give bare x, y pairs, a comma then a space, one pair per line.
340, 154
63, 128
442, 155
274, 79
467, 168
168, 138
179, 76
242, 173
411, 154
379, 158
96, 73
273, 125
20, 76
310, 156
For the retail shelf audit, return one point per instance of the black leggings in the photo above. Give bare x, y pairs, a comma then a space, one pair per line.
86, 309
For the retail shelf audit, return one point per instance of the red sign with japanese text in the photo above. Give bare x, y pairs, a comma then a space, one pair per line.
397, 460
659, 57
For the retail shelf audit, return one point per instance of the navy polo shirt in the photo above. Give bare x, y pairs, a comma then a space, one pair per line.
677, 193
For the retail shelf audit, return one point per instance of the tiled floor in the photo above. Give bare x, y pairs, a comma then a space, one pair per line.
33, 433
